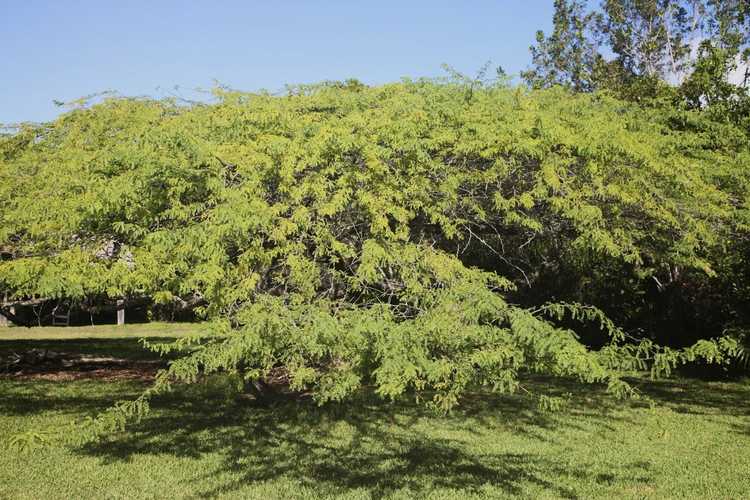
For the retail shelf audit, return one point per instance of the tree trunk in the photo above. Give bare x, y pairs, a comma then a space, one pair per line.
262, 393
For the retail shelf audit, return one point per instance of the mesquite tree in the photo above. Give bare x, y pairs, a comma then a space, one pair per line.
357, 237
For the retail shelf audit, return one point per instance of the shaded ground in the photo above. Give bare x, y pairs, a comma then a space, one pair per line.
45, 364
104, 352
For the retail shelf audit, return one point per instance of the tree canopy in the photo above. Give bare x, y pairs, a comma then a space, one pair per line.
399, 237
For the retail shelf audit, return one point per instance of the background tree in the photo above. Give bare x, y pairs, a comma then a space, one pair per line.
719, 78
656, 46
649, 37
569, 54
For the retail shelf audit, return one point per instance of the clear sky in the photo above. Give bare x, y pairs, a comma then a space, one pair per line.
65, 49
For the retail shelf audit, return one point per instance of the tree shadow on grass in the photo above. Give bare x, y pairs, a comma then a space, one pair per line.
382, 448
698, 397
712, 400
374, 446
32, 397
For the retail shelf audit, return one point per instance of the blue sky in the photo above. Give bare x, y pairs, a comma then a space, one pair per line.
62, 50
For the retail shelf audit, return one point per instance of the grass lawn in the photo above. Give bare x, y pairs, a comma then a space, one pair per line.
203, 441
131, 331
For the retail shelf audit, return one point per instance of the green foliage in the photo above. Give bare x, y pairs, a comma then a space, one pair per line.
358, 237
25, 442
708, 86
569, 56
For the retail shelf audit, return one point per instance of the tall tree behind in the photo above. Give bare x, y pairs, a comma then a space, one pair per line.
653, 46
567, 57
649, 38
720, 73
728, 23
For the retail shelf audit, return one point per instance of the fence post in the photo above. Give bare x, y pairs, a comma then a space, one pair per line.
4, 321
120, 312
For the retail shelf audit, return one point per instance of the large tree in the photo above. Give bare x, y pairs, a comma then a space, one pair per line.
348, 237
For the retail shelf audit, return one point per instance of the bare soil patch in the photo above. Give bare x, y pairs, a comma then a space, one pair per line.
45, 364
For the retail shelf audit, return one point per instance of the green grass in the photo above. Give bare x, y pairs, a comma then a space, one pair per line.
98, 331
204, 441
